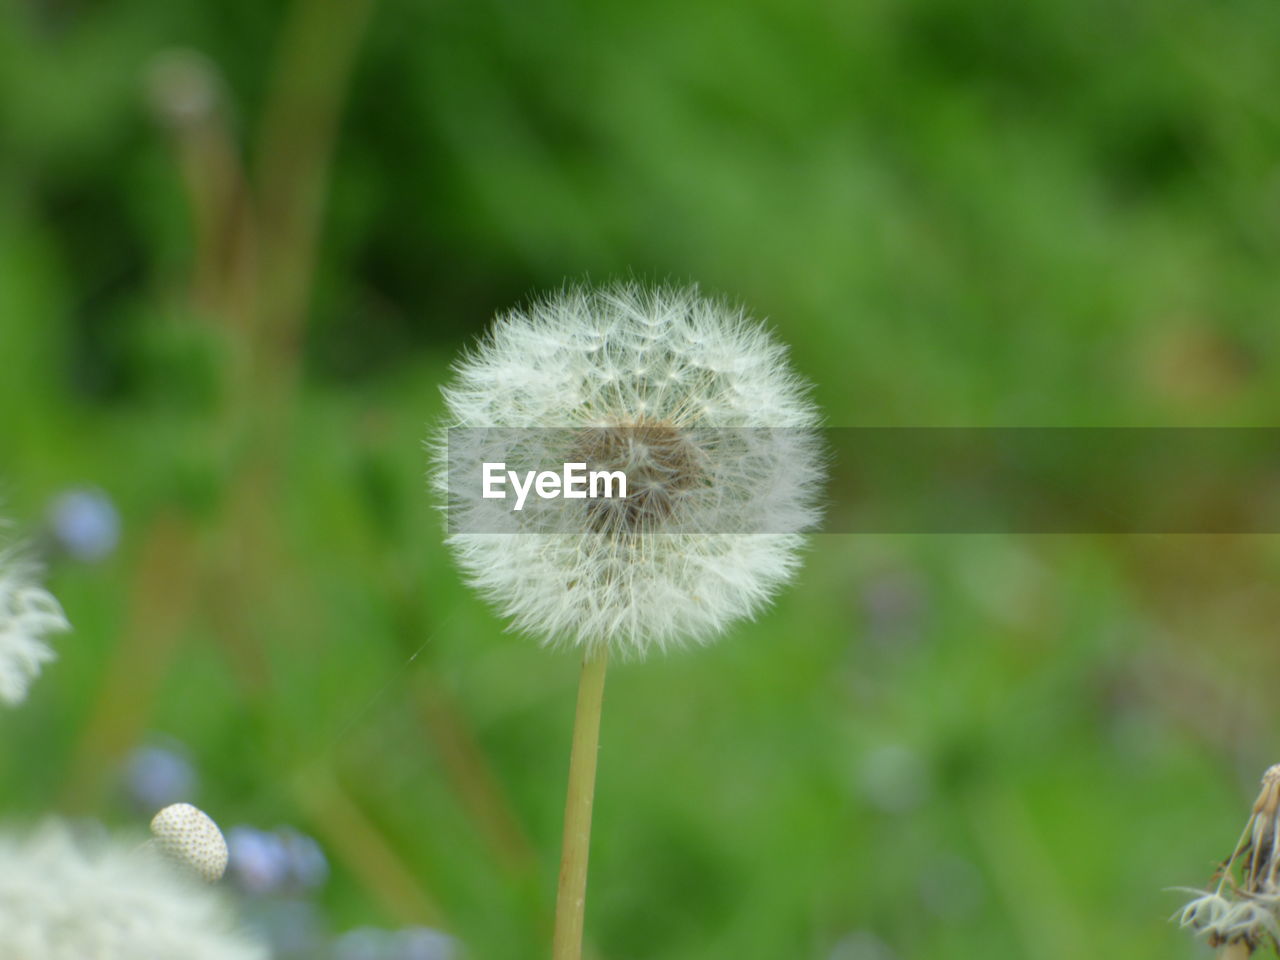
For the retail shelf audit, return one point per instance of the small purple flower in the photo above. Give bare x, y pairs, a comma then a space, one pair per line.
423, 943
862, 945
411, 943
85, 524
894, 605
951, 887
295, 929
259, 860
895, 778
363, 943
307, 865
157, 776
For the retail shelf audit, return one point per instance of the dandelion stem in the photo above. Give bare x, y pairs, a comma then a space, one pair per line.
1236, 950
572, 896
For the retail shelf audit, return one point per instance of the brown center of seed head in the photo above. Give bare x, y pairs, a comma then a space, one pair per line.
661, 463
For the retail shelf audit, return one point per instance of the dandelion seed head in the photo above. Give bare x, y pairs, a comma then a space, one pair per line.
28, 614
1244, 910
697, 404
70, 897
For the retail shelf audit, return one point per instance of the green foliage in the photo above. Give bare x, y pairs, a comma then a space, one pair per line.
956, 213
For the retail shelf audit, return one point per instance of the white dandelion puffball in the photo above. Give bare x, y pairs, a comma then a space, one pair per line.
695, 403
66, 897
28, 613
189, 836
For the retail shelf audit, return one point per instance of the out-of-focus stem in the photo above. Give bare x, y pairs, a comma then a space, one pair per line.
471, 775
186, 92
158, 610
572, 895
1027, 874
299, 127
295, 152
363, 848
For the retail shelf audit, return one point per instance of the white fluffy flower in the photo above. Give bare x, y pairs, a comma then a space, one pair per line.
63, 897
27, 614
696, 403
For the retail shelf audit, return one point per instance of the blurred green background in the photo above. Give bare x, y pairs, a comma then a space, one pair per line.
240, 242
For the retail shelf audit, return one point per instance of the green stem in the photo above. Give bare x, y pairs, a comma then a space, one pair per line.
572, 896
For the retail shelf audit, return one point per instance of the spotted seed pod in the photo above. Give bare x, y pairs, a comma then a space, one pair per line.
188, 835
